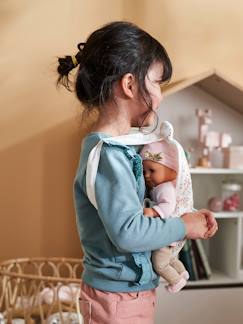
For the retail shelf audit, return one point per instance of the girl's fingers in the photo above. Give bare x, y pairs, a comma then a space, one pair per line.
211, 232
211, 221
214, 230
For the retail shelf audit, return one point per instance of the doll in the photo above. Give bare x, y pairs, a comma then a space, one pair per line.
168, 180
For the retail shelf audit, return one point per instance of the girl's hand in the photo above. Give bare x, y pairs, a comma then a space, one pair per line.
150, 212
196, 225
211, 223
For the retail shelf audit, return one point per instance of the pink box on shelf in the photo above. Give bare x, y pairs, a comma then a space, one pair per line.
233, 157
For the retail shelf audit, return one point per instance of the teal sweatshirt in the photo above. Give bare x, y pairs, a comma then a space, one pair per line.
117, 239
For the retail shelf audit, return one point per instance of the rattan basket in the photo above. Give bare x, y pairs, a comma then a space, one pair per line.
40, 290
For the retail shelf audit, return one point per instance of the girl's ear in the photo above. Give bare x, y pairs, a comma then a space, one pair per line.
129, 85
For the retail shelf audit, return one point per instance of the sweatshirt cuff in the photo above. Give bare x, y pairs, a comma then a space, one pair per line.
181, 228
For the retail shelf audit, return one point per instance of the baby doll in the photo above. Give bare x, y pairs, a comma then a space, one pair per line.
168, 179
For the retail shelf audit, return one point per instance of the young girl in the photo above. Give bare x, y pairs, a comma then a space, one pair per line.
120, 71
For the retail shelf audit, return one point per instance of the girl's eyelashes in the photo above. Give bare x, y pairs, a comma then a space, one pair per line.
160, 82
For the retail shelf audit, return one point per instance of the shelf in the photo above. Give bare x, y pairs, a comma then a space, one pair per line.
229, 214
215, 171
213, 83
217, 278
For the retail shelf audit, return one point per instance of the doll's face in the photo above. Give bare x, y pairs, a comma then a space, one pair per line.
156, 173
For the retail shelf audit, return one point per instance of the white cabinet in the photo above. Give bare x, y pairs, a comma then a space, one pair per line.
200, 306
224, 250
218, 300
212, 301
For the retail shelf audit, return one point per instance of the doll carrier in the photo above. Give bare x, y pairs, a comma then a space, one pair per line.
184, 195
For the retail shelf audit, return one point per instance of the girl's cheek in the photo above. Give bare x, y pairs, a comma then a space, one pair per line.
157, 98
161, 96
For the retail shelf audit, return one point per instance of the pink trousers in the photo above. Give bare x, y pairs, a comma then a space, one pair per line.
101, 307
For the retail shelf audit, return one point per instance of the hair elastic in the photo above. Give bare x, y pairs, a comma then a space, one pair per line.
74, 60
80, 46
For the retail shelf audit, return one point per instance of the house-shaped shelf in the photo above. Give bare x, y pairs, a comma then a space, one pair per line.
209, 90
224, 98
216, 85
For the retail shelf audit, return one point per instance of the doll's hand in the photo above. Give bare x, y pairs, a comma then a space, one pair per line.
211, 223
150, 212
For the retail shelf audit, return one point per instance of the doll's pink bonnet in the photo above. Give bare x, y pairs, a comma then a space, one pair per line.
162, 152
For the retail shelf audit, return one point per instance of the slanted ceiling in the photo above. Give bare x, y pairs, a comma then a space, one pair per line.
213, 83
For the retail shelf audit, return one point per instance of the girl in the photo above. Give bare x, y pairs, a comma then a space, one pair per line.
120, 71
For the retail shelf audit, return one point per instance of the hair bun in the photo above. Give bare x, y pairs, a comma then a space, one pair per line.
65, 65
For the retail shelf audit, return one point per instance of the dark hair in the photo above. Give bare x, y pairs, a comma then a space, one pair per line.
109, 53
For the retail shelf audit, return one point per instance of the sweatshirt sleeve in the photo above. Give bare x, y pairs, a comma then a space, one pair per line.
121, 212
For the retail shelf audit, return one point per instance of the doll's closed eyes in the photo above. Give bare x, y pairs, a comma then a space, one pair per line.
156, 173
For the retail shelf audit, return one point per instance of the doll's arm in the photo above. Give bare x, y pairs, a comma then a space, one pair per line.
165, 201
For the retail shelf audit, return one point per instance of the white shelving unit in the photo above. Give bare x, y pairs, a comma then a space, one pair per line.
224, 250
219, 299
215, 171
229, 215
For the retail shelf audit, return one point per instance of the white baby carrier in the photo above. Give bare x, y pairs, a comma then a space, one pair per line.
184, 195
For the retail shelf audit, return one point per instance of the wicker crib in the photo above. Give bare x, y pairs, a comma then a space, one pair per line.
40, 290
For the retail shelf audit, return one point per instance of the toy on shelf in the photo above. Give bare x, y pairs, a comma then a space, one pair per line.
233, 157
215, 204
231, 195
209, 140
